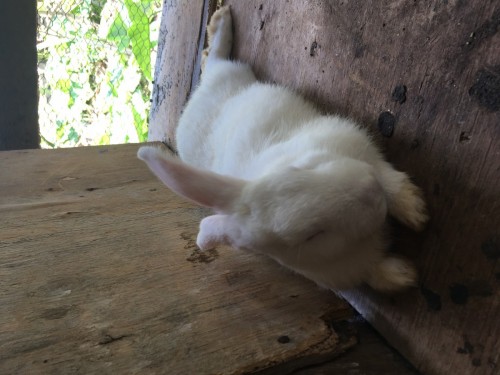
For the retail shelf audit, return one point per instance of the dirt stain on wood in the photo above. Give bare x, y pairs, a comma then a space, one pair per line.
464, 137
386, 122
313, 49
484, 32
432, 298
491, 248
399, 94
459, 293
466, 348
198, 256
55, 313
486, 89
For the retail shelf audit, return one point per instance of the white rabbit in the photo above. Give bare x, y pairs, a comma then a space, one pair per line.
311, 191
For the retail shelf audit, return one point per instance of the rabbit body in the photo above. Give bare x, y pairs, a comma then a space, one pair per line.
309, 190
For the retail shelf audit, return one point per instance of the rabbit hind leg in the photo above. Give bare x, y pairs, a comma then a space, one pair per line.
220, 36
392, 274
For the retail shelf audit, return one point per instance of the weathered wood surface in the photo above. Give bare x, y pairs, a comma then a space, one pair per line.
177, 69
435, 67
99, 273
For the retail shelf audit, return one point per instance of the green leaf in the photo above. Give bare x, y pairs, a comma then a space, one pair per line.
73, 91
141, 126
138, 33
118, 33
46, 141
59, 131
104, 140
76, 10
73, 135
113, 81
95, 10
63, 85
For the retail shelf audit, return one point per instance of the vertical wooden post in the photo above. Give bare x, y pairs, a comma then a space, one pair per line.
177, 71
18, 75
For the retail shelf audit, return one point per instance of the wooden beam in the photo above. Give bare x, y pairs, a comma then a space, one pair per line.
177, 70
18, 75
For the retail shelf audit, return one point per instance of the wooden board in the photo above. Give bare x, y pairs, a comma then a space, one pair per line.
100, 273
177, 69
430, 71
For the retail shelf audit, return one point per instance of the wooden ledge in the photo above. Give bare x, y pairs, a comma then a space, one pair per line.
100, 273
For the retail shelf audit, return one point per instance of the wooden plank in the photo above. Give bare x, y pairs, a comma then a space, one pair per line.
435, 67
177, 69
100, 273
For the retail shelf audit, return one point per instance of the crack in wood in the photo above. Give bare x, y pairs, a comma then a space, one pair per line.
108, 339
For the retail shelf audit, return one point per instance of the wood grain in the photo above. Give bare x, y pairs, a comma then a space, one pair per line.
433, 69
100, 273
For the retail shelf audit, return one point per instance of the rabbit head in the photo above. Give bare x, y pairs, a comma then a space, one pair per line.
295, 207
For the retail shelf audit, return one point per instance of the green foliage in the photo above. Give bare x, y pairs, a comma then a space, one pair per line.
118, 33
138, 32
95, 70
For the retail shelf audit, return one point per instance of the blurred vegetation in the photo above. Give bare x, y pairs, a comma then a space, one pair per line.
95, 70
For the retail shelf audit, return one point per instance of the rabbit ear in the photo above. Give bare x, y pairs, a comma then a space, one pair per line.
200, 186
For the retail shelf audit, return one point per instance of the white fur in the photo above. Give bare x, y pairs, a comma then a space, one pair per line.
309, 190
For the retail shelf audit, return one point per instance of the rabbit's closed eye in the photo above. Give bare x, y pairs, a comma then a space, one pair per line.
315, 235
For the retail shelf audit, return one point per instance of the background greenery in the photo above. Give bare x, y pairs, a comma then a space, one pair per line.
95, 70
